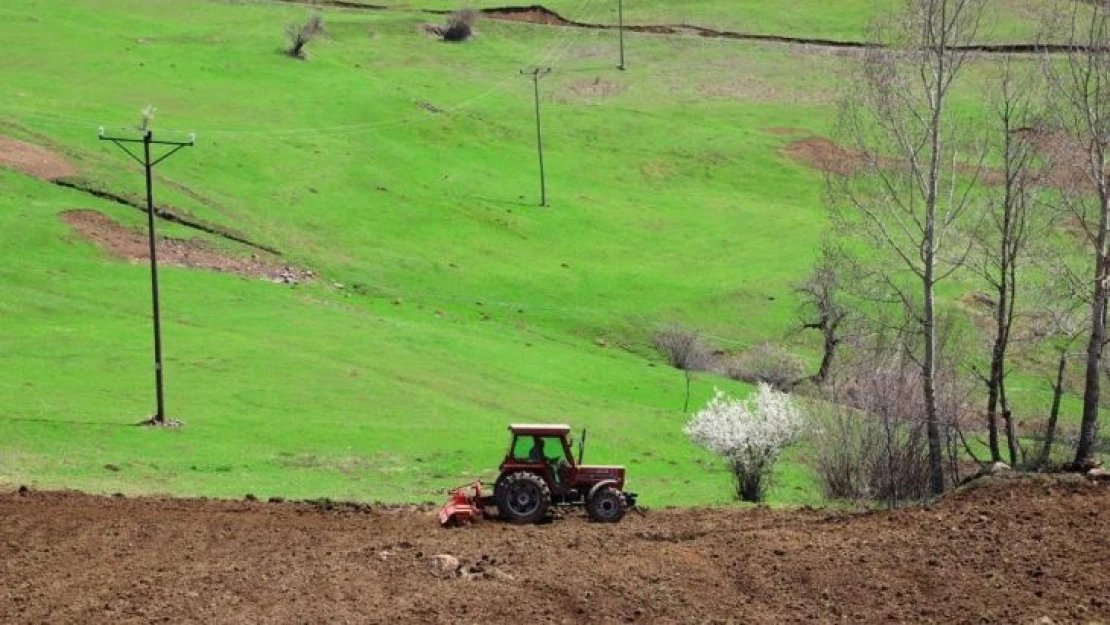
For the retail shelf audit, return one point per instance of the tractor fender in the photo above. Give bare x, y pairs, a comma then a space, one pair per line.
600, 485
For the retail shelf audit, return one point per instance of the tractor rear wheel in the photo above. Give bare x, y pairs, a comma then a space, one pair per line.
606, 506
524, 498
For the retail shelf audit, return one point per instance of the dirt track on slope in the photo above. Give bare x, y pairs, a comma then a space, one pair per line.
1005, 552
128, 244
33, 160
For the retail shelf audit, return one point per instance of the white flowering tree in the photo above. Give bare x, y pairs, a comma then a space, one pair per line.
750, 434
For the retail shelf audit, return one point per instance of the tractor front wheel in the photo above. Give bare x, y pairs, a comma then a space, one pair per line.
523, 498
606, 506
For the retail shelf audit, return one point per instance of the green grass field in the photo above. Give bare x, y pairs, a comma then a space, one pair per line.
402, 170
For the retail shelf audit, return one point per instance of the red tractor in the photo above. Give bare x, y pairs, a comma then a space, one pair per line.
540, 471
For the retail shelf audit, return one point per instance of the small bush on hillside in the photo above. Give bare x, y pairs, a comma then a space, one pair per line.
684, 349
770, 364
861, 456
869, 437
301, 34
460, 26
749, 434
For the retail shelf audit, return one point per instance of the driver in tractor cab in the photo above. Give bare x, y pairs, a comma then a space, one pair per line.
536, 454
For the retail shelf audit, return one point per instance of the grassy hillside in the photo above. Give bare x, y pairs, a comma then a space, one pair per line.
401, 170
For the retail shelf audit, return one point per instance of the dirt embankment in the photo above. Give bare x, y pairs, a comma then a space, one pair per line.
1061, 161
33, 160
129, 244
1006, 552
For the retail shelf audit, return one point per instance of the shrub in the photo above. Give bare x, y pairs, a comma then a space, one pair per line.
869, 436
870, 457
770, 364
684, 349
460, 26
748, 434
301, 35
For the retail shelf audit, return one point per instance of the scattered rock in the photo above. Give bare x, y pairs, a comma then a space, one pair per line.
444, 566
995, 468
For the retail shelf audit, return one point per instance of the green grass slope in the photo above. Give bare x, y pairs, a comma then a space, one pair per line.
402, 170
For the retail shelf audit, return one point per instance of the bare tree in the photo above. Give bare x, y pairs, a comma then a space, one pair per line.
822, 305
910, 190
301, 34
1080, 90
684, 350
1003, 240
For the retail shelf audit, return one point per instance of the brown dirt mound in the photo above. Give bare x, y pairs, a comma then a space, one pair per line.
591, 90
133, 245
1064, 159
785, 131
825, 155
33, 160
531, 15
1008, 551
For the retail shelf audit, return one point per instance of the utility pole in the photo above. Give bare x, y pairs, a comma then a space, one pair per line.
536, 73
148, 140
620, 28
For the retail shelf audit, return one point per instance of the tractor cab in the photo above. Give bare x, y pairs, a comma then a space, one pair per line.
543, 449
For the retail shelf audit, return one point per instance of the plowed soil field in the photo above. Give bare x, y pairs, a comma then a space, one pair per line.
1005, 551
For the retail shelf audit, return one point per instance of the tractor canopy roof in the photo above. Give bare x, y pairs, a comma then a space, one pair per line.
539, 429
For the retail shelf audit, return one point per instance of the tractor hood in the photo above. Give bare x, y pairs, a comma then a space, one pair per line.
598, 472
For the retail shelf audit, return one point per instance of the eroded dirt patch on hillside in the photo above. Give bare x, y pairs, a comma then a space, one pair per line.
591, 90
129, 244
533, 14
783, 131
1011, 551
33, 160
825, 155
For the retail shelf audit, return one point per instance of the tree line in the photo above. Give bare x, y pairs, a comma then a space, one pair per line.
1012, 196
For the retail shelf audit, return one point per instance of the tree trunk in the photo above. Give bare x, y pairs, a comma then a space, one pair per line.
1011, 436
929, 261
1088, 429
1053, 415
929, 362
929, 368
992, 403
827, 359
686, 404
